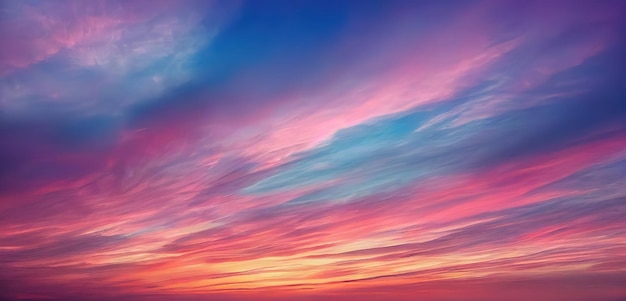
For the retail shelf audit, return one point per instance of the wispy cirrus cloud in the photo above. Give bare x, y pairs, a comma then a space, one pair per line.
296, 150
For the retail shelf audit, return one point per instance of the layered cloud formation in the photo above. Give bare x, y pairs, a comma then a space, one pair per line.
309, 150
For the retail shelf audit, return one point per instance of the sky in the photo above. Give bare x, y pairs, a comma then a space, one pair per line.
312, 150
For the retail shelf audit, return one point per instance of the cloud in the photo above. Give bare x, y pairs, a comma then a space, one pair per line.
310, 150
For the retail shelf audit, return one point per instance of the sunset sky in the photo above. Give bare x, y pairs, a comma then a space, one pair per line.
304, 150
